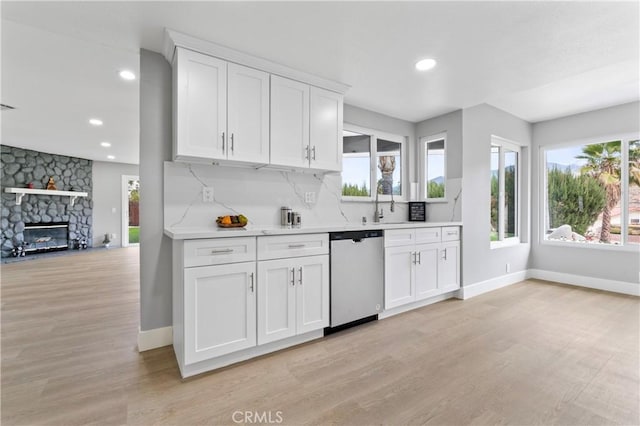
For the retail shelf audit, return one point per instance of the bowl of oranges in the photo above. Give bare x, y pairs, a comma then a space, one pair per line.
232, 221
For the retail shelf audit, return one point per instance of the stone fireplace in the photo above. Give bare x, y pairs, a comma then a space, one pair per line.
20, 167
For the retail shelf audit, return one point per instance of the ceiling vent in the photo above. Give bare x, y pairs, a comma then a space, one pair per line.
4, 107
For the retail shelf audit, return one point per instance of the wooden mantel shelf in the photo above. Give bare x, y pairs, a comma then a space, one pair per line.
21, 192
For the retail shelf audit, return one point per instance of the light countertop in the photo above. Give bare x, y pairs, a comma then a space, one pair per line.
189, 233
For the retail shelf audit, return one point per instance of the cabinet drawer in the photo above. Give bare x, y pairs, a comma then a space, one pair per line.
283, 246
399, 237
428, 235
219, 251
450, 233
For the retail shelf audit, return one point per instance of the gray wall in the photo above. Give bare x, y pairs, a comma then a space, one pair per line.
450, 123
107, 190
618, 265
479, 261
155, 148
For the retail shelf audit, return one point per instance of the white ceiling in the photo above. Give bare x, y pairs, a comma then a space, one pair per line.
537, 60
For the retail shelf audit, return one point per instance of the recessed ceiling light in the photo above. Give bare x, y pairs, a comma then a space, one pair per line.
127, 75
111, 157
105, 144
425, 64
95, 122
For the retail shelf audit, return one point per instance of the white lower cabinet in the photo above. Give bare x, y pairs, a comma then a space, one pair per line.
293, 297
416, 271
219, 310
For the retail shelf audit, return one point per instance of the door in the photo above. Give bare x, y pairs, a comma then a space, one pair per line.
449, 266
219, 310
248, 114
201, 105
426, 270
399, 276
130, 210
312, 293
325, 138
289, 122
276, 300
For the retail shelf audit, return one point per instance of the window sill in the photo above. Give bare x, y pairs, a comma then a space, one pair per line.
506, 243
369, 200
592, 246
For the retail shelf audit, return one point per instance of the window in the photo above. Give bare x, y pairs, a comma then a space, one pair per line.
505, 191
371, 161
592, 192
434, 165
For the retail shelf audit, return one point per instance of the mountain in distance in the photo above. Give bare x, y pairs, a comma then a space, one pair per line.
439, 180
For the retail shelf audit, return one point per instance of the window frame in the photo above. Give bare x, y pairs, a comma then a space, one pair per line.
374, 135
625, 139
502, 143
422, 187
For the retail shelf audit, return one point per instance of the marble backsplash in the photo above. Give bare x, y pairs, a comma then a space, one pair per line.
259, 194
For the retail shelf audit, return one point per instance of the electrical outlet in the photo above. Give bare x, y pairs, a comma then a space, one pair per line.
207, 194
309, 197
508, 267
113, 236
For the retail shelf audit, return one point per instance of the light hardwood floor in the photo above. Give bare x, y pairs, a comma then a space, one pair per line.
532, 353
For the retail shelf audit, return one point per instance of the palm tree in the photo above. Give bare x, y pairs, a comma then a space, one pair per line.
634, 163
603, 164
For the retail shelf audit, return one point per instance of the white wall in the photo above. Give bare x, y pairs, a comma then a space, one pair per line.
603, 263
451, 124
107, 199
480, 262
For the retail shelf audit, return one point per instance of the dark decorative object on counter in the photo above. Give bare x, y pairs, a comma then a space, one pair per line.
51, 185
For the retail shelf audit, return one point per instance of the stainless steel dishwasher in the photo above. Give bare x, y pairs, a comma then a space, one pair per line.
357, 277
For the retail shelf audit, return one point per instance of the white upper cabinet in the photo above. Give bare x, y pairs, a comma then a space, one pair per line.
230, 107
248, 114
289, 122
325, 139
200, 106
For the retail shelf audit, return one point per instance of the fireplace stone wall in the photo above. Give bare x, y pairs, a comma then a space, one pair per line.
21, 167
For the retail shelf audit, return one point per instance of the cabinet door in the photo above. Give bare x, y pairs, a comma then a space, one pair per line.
399, 274
201, 105
276, 300
426, 270
312, 293
449, 267
219, 310
248, 114
326, 129
289, 122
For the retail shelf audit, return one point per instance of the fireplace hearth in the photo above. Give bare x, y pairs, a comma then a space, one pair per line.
46, 237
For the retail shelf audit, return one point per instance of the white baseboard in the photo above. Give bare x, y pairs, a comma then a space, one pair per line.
476, 289
415, 305
156, 338
623, 287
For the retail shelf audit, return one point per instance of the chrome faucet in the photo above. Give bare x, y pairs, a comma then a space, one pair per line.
378, 214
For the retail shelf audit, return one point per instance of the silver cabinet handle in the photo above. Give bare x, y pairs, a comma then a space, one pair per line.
251, 286
300, 275
414, 257
231, 143
224, 251
419, 258
223, 141
306, 152
291, 246
452, 233
443, 256
313, 153
293, 276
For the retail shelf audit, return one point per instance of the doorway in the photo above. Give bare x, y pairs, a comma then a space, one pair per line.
130, 210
